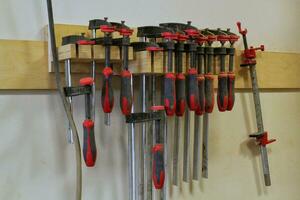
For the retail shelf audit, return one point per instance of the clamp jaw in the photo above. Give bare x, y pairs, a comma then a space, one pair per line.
262, 138
77, 39
249, 54
124, 31
187, 28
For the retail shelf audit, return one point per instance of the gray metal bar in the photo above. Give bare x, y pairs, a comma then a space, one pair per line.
142, 149
186, 154
165, 128
260, 125
196, 155
176, 149
93, 75
132, 156
205, 146
68, 79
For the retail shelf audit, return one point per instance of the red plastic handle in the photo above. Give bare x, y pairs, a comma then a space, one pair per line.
170, 94
180, 94
158, 169
231, 90
107, 91
126, 94
89, 144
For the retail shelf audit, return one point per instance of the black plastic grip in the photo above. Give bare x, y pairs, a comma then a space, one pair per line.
126, 93
180, 94
89, 144
222, 95
201, 87
192, 89
170, 94
107, 98
231, 90
209, 93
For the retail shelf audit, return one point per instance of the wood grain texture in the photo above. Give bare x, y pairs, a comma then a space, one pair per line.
24, 65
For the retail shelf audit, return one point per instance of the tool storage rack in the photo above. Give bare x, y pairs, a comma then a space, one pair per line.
25, 65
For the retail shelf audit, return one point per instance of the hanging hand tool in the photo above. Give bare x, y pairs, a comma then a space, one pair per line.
94, 25
71, 39
66, 104
158, 163
158, 174
89, 144
126, 76
231, 76
147, 144
222, 95
201, 107
151, 33
209, 97
107, 98
261, 136
168, 36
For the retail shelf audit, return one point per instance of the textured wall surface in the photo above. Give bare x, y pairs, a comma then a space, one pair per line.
37, 163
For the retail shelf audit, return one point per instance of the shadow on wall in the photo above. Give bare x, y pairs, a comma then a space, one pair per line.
249, 148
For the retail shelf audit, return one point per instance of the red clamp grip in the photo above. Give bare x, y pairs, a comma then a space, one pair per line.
158, 169
126, 93
107, 98
169, 35
170, 93
85, 42
107, 28
241, 31
89, 145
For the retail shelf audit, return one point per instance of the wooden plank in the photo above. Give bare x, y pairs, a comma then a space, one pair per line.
23, 65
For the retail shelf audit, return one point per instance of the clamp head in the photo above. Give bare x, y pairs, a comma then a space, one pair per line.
169, 35
122, 28
241, 31
251, 52
263, 138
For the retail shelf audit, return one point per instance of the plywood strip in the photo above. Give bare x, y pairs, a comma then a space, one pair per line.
24, 65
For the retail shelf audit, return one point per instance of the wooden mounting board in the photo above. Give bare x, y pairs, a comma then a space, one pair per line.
24, 65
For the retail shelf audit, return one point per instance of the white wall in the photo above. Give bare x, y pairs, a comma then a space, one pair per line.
37, 163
